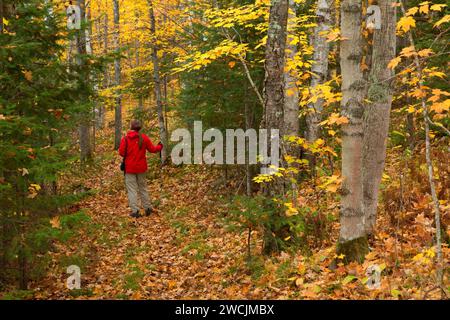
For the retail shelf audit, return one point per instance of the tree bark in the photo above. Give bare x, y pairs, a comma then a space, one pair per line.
377, 112
274, 91
117, 76
157, 85
319, 67
352, 237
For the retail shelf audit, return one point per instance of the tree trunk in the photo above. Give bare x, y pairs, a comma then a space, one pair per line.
100, 121
291, 105
137, 64
319, 67
84, 128
118, 108
352, 237
157, 83
274, 91
377, 112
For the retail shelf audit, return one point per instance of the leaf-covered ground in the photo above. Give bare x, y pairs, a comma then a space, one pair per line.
185, 251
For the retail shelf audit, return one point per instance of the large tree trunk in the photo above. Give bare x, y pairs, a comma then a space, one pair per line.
157, 82
274, 90
83, 130
320, 66
118, 108
291, 105
376, 115
352, 238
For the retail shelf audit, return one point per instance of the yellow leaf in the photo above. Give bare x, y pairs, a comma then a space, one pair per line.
5, 22
291, 91
445, 19
36, 186
411, 109
437, 7
407, 52
394, 62
342, 120
395, 293
405, 23
231, 64
425, 52
28, 75
424, 9
55, 223
412, 11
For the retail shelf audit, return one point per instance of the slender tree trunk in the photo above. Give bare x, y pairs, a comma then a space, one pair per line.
274, 90
248, 114
106, 80
352, 238
89, 50
320, 66
377, 112
88, 30
84, 128
157, 83
291, 105
117, 75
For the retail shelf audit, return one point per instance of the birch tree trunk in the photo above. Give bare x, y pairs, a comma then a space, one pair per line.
291, 105
157, 82
83, 129
274, 90
377, 112
320, 66
118, 107
352, 238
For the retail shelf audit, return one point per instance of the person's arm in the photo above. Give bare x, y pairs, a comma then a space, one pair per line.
150, 146
122, 147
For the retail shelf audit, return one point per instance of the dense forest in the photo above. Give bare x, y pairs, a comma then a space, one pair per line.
346, 196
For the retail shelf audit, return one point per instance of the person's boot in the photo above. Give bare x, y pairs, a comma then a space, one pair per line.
135, 214
148, 211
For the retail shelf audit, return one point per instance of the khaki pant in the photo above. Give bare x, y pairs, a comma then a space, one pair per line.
137, 184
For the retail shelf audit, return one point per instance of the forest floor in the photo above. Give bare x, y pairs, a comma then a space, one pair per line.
185, 251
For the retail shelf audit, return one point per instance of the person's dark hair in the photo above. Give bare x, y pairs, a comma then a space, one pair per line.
135, 125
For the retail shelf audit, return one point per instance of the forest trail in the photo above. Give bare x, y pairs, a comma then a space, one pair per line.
185, 251
180, 252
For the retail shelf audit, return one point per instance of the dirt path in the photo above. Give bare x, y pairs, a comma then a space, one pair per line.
180, 252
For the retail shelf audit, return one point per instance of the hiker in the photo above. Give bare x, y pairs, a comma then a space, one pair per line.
133, 149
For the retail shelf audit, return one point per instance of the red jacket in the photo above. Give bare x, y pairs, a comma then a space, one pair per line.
136, 160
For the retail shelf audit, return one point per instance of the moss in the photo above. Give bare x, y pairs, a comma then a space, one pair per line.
353, 250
